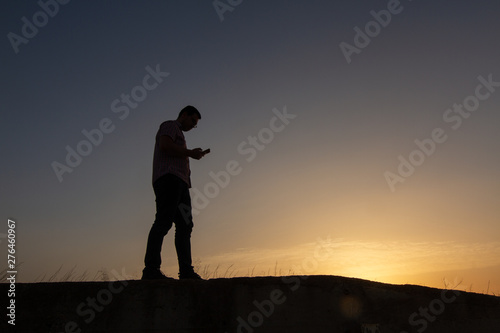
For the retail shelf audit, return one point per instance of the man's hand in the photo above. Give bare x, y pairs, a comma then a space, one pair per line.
198, 153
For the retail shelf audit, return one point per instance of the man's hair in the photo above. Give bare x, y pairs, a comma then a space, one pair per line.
190, 110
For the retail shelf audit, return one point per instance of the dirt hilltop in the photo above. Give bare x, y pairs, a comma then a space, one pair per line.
244, 305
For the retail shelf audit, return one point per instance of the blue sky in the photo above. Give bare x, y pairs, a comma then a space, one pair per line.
322, 175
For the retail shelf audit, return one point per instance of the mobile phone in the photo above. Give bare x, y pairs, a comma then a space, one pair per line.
206, 151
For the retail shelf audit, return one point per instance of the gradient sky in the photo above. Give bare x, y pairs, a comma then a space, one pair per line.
318, 180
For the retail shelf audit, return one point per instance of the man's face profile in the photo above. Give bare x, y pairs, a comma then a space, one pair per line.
188, 122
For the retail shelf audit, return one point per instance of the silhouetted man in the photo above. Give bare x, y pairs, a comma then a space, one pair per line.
171, 183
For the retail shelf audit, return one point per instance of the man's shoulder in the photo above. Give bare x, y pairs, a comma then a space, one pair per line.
169, 125
170, 128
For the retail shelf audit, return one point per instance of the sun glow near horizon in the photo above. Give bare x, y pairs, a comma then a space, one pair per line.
424, 263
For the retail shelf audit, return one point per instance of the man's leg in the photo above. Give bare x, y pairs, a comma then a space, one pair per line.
183, 228
167, 194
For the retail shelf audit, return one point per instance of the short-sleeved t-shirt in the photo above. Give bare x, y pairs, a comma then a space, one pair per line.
163, 163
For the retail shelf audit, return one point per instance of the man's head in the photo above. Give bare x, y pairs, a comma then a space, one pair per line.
188, 117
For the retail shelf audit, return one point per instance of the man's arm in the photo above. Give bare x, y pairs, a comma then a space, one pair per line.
168, 145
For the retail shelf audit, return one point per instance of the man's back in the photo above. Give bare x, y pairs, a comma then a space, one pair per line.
164, 163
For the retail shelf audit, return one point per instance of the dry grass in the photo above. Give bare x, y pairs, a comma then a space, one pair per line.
206, 272
70, 275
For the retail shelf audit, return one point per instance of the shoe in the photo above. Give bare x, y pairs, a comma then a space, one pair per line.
154, 274
189, 276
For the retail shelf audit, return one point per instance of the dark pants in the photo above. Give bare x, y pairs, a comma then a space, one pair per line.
173, 205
